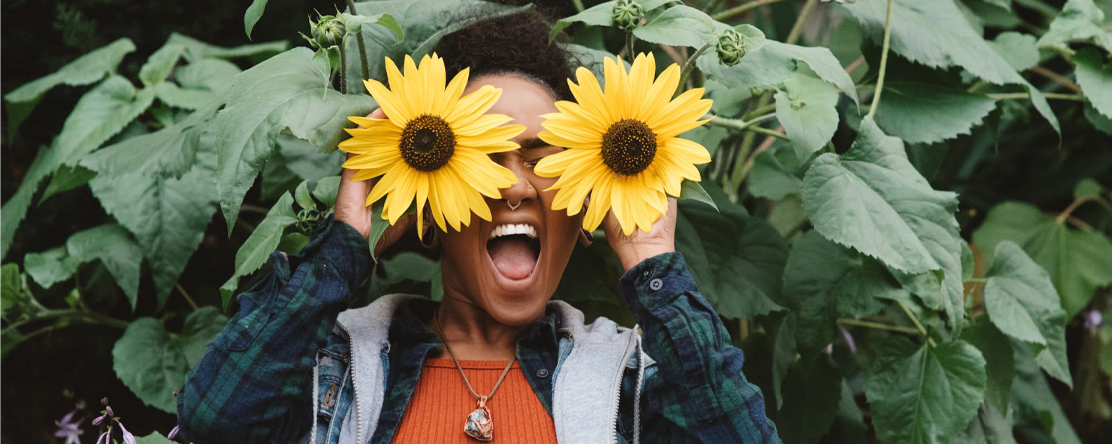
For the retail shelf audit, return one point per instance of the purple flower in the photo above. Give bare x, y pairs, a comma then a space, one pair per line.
128, 437
173, 433
69, 428
1093, 320
849, 339
107, 416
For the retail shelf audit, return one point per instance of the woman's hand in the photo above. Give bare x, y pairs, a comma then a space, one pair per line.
639, 245
352, 209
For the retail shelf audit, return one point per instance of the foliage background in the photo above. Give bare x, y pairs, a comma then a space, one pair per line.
1013, 174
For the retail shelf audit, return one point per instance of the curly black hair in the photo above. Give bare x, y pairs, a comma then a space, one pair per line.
516, 44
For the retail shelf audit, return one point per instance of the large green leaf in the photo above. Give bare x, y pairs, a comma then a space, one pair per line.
100, 114
153, 362
823, 281
989, 427
936, 34
599, 15
87, 69
774, 173
153, 438
167, 215
51, 266
806, 108
1021, 301
196, 50
1079, 262
263, 241
168, 152
925, 113
287, 91
111, 244
1095, 78
737, 260
771, 62
161, 64
299, 156
1036, 404
999, 358
1079, 20
928, 396
252, 16
1018, 49
592, 274
211, 74
679, 25
873, 200
811, 399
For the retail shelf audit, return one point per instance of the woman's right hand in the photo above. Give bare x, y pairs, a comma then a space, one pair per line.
352, 208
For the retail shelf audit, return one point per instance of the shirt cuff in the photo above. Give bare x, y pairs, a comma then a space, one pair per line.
655, 281
344, 247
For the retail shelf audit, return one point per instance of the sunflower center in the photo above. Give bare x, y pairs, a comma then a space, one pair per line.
628, 147
427, 143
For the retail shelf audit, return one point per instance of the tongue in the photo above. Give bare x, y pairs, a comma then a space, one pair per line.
512, 256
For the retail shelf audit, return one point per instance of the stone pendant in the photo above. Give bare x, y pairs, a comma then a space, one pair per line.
480, 425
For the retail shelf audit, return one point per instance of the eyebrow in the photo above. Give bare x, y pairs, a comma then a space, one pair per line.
533, 143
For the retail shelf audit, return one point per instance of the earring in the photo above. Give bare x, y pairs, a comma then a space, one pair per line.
428, 240
586, 238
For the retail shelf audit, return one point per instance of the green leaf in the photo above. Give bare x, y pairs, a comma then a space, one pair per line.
183, 98
772, 62
168, 216
989, 427
11, 291
773, 174
1017, 49
153, 438
66, 178
849, 424
1101, 123
1087, 189
592, 274
405, 272
115, 247
926, 113
168, 152
153, 362
196, 50
161, 64
326, 191
968, 261
285, 92
823, 280
936, 34
598, 15
51, 266
873, 200
806, 108
929, 396
679, 25
355, 23
263, 241
299, 156
737, 260
810, 403
210, 74
252, 16
1080, 20
690, 189
100, 114
1079, 262
86, 69
13, 211
1034, 401
1021, 301
1095, 78
1000, 359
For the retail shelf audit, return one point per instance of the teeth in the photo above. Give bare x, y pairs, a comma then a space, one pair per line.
512, 229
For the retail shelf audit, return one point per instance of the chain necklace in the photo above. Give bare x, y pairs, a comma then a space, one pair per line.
479, 424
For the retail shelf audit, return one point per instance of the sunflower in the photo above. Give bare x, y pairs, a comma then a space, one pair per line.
622, 144
432, 146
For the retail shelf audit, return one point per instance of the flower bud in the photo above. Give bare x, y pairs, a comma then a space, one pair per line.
627, 14
328, 30
731, 47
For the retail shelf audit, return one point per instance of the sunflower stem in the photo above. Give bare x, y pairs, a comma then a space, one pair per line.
365, 68
343, 69
578, 5
740, 9
687, 68
797, 29
883, 61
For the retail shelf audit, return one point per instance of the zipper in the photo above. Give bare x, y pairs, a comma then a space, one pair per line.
354, 386
621, 372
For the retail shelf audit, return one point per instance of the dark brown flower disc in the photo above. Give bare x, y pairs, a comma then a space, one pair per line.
427, 143
628, 147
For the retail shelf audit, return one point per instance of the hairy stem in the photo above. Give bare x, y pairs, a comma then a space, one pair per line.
918, 325
343, 69
877, 325
687, 68
883, 60
185, 294
365, 69
578, 5
1071, 97
1056, 78
742, 8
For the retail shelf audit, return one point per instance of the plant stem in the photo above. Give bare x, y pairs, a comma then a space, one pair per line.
883, 60
1056, 78
629, 45
578, 5
977, 280
90, 317
254, 209
918, 325
185, 295
362, 47
1071, 97
797, 28
687, 68
343, 69
877, 325
713, 4
735, 124
767, 132
742, 8
1073, 206
762, 110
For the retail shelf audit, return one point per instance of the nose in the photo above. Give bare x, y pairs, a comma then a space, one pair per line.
520, 192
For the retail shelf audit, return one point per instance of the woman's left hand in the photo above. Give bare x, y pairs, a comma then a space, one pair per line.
639, 245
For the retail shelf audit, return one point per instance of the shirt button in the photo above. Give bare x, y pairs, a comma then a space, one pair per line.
646, 273
542, 373
656, 284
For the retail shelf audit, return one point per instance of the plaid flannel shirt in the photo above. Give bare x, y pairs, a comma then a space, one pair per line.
255, 382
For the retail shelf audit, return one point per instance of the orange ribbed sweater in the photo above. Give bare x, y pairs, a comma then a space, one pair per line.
441, 403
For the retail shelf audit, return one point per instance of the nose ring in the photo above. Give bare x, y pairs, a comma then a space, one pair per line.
512, 206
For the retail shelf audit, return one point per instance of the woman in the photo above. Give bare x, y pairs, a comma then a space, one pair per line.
295, 366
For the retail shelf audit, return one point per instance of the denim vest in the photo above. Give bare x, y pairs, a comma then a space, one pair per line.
602, 353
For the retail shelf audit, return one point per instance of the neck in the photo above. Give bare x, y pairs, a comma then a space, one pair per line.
471, 332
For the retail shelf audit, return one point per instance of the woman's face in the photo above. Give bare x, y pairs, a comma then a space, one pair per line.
510, 267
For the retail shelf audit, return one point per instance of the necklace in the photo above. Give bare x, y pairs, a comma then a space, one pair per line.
479, 424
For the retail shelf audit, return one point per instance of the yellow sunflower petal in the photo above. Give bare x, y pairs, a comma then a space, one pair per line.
473, 105
600, 203
453, 92
554, 165
660, 92
478, 126
394, 107
687, 150
422, 197
434, 202
588, 93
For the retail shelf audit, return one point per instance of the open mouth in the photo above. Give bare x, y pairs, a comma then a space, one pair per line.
514, 250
